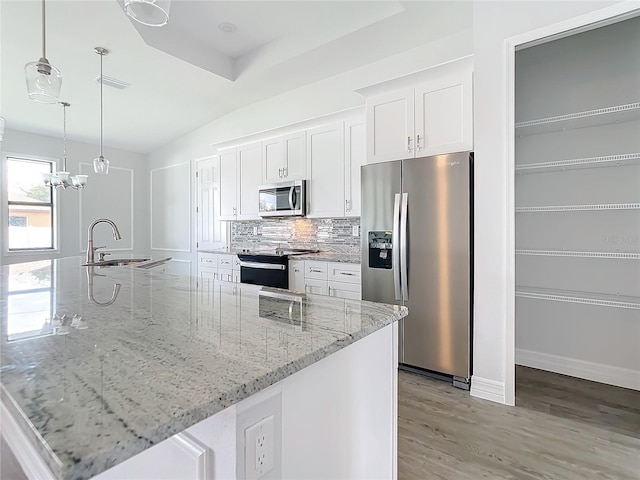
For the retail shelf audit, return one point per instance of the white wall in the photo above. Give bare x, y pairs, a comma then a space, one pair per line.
126, 199
321, 98
493, 23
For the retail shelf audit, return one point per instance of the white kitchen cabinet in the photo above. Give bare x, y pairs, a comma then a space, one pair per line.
218, 266
325, 168
355, 155
444, 114
343, 272
335, 279
350, 291
315, 270
240, 177
210, 233
431, 117
318, 287
228, 183
390, 125
284, 158
296, 275
249, 168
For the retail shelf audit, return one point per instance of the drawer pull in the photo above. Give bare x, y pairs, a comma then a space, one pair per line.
313, 270
348, 273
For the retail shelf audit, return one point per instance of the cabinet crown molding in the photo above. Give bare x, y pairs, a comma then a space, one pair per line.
341, 115
436, 71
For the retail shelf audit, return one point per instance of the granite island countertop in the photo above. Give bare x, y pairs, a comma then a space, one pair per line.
152, 357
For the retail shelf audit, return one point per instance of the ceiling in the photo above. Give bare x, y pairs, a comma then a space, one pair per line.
190, 72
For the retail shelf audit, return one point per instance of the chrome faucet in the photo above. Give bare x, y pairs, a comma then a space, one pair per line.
91, 250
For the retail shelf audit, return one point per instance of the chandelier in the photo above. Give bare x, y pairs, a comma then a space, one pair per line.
63, 179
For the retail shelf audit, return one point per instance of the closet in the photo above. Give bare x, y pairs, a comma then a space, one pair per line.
577, 192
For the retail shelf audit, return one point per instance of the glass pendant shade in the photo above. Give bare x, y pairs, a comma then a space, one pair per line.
153, 13
101, 165
44, 81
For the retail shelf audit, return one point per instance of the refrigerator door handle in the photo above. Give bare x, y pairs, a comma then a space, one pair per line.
404, 270
395, 247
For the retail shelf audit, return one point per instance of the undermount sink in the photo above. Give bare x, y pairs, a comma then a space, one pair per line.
116, 262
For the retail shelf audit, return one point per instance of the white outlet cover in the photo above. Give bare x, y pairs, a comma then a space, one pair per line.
355, 231
259, 449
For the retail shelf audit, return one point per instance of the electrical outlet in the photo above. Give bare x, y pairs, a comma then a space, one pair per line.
255, 230
259, 449
355, 230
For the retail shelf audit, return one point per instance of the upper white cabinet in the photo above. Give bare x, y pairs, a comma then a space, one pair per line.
210, 232
432, 116
249, 179
355, 155
228, 184
325, 168
284, 158
240, 177
390, 130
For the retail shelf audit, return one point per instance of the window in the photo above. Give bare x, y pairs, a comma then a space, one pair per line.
30, 202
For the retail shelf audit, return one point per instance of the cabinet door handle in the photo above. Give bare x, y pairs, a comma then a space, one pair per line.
285, 173
280, 172
408, 144
418, 142
347, 205
329, 291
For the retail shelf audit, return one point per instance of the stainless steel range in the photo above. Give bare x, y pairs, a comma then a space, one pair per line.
268, 267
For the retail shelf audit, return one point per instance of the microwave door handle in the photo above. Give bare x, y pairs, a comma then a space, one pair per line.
292, 192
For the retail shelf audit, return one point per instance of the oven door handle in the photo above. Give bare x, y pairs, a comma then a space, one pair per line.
263, 266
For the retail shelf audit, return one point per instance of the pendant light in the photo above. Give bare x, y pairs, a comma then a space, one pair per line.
63, 179
101, 164
43, 79
153, 13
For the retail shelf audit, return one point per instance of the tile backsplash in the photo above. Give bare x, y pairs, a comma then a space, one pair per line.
325, 234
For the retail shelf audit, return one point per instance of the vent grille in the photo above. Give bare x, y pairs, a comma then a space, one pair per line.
112, 82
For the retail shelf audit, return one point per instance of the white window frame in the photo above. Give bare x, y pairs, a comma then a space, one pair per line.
4, 217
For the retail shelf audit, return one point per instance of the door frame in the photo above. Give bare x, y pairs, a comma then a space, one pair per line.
602, 17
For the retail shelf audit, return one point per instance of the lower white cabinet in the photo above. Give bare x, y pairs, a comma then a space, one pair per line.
219, 266
335, 279
318, 287
296, 275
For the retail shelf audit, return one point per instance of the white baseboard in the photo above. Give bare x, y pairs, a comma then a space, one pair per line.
488, 389
618, 376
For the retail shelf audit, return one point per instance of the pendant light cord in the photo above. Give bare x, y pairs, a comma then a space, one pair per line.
101, 112
44, 46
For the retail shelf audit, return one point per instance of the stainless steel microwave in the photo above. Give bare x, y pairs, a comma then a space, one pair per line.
283, 199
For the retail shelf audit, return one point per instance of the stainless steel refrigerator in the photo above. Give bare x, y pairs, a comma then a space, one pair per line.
417, 251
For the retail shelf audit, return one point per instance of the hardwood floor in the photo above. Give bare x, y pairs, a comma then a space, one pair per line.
562, 428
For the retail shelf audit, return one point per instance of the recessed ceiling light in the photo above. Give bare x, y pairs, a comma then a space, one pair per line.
227, 27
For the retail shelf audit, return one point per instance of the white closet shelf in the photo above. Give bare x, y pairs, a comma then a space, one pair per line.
589, 162
590, 118
567, 253
579, 208
584, 298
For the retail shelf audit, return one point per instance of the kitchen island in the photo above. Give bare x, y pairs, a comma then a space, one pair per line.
127, 374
